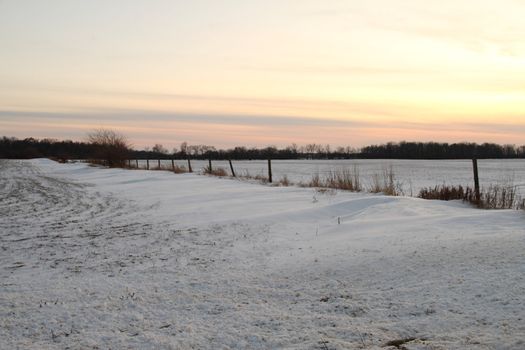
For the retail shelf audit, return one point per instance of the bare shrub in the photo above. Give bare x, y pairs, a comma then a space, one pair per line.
112, 148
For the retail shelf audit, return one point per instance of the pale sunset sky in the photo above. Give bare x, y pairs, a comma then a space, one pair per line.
258, 73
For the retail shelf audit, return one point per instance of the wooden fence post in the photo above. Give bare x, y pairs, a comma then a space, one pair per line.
189, 166
209, 168
231, 167
137, 163
269, 170
476, 180
147, 163
129, 163
172, 165
158, 164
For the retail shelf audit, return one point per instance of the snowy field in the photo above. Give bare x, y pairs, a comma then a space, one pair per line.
96, 258
412, 175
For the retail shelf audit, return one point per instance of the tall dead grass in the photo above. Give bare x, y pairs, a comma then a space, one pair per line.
177, 169
221, 172
492, 197
260, 178
284, 181
386, 183
346, 179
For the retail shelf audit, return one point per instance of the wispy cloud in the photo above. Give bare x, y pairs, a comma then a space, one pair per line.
473, 24
224, 130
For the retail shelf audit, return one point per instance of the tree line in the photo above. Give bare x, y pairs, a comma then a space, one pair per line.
436, 150
115, 149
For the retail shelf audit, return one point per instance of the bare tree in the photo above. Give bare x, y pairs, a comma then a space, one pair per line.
111, 147
158, 148
183, 148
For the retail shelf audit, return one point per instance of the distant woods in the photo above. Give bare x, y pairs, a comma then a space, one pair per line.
436, 150
113, 149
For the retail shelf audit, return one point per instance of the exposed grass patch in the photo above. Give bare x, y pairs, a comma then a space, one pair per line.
386, 183
215, 171
492, 197
443, 193
284, 181
315, 181
260, 178
344, 179
179, 169
168, 167
500, 197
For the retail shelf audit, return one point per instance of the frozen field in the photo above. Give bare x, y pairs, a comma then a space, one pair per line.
412, 175
96, 258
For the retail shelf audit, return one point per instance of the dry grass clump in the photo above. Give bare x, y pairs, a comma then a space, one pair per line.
493, 197
500, 197
215, 171
284, 181
315, 181
342, 179
386, 183
179, 169
260, 178
443, 193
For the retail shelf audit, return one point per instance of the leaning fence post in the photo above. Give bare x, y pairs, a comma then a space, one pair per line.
269, 170
231, 167
189, 165
476, 179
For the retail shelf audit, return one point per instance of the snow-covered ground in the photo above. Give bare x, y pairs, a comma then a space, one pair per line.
96, 258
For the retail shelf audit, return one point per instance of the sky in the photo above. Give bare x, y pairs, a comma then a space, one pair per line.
259, 73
